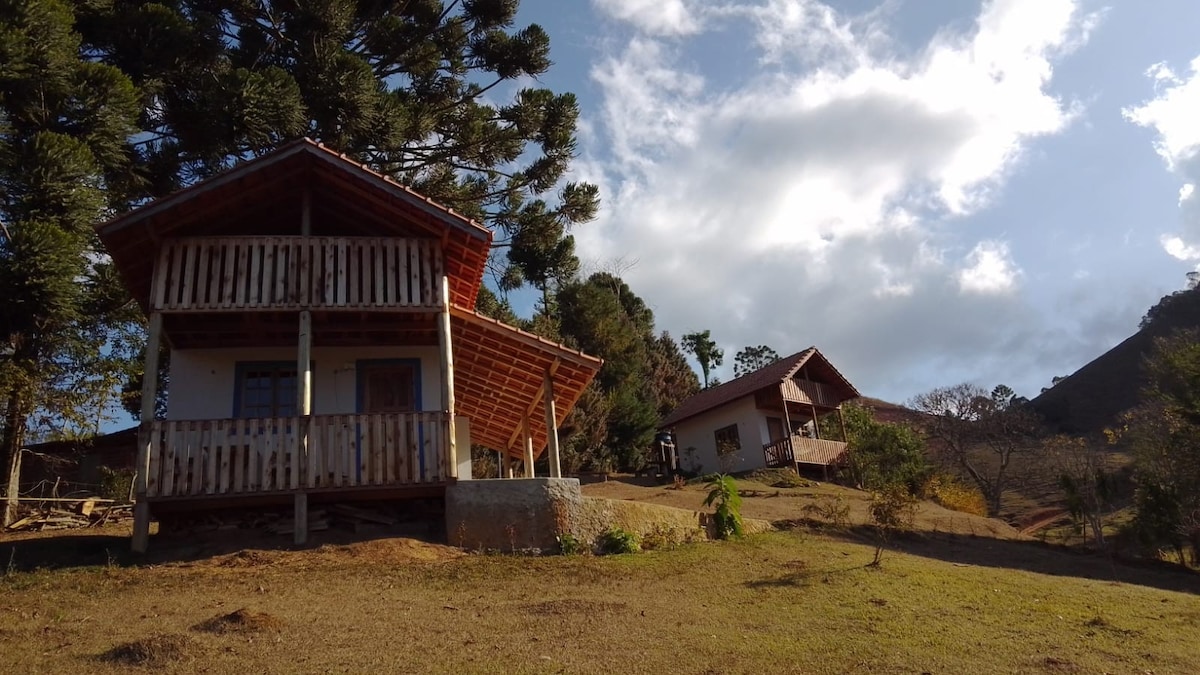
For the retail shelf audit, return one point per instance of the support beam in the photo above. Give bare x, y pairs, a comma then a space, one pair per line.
551, 427
842, 421
300, 523
141, 509
447, 370
529, 473
304, 365
533, 406
501, 464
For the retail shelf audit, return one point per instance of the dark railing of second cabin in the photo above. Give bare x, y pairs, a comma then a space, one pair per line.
193, 458
239, 273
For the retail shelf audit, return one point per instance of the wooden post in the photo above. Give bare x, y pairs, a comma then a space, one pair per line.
501, 464
141, 508
551, 428
529, 473
509, 464
447, 370
816, 427
842, 421
787, 425
300, 525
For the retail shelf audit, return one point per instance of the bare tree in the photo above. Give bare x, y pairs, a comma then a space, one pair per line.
1088, 488
981, 434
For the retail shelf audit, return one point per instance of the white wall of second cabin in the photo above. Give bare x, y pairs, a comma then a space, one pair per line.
698, 432
202, 380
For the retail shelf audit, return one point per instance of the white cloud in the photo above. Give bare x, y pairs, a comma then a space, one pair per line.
989, 269
655, 17
1173, 115
814, 201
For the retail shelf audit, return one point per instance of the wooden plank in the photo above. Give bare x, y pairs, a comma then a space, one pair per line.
293, 280
218, 438
267, 297
154, 451
379, 452
353, 272
225, 470
362, 425
341, 464
282, 252
330, 273
158, 297
255, 296
241, 295
304, 291
378, 271
414, 272
313, 457
403, 465
389, 449
393, 285
189, 271
340, 246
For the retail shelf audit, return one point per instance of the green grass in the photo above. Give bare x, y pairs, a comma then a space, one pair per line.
780, 602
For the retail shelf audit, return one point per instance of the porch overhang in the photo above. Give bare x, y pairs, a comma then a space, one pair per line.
499, 377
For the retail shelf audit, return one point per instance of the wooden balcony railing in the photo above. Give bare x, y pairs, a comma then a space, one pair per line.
251, 456
240, 273
787, 451
805, 391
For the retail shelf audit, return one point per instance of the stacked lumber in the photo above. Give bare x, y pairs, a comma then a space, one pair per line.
37, 515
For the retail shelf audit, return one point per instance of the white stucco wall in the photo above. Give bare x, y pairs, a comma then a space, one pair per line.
202, 380
697, 433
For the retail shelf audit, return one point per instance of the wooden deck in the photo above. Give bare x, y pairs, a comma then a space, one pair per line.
198, 458
787, 452
235, 274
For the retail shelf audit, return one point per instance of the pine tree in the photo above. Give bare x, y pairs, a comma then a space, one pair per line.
701, 345
407, 88
65, 327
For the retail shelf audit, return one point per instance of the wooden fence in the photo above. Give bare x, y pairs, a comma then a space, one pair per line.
251, 456
239, 273
787, 451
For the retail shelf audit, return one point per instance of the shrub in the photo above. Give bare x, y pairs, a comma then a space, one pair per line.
617, 541
892, 508
832, 510
569, 544
723, 493
954, 495
115, 484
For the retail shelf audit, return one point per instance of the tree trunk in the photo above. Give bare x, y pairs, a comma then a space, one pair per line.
10, 450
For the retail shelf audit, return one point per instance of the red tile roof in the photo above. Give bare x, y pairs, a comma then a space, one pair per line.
767, 376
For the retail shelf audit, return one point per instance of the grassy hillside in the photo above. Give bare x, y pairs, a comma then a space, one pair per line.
794, 601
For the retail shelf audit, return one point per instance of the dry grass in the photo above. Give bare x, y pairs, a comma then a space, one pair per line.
793, 601
240, 621
158, 651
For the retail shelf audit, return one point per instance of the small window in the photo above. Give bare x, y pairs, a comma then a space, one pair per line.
727, 440
266, 390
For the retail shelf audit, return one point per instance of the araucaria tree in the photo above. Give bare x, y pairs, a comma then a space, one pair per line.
423, 91
751, 359
983, 435
65, 122
701, 345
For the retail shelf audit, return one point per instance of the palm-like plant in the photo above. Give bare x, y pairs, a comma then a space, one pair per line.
723, 492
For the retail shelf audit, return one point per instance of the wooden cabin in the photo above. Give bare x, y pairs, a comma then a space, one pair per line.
767, 418
320, 323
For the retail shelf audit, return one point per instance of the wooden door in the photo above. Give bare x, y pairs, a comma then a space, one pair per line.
389, 388
775, 429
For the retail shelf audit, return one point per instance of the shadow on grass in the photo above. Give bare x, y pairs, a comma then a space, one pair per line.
1030, 556
72, 549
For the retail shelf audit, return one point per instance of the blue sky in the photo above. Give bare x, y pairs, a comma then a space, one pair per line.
930, 191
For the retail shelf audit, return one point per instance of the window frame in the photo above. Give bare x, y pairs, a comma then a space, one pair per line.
276, 368
720, 441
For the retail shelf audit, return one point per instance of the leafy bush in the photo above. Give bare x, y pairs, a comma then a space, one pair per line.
723, 492
954, 495
115, 484
569, 544
617, 541
832, 510
892, 508
882, 453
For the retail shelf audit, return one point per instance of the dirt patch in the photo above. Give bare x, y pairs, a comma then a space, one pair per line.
156, 651
241, 621
1057, 665
572, 606
391, 550
246, 559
